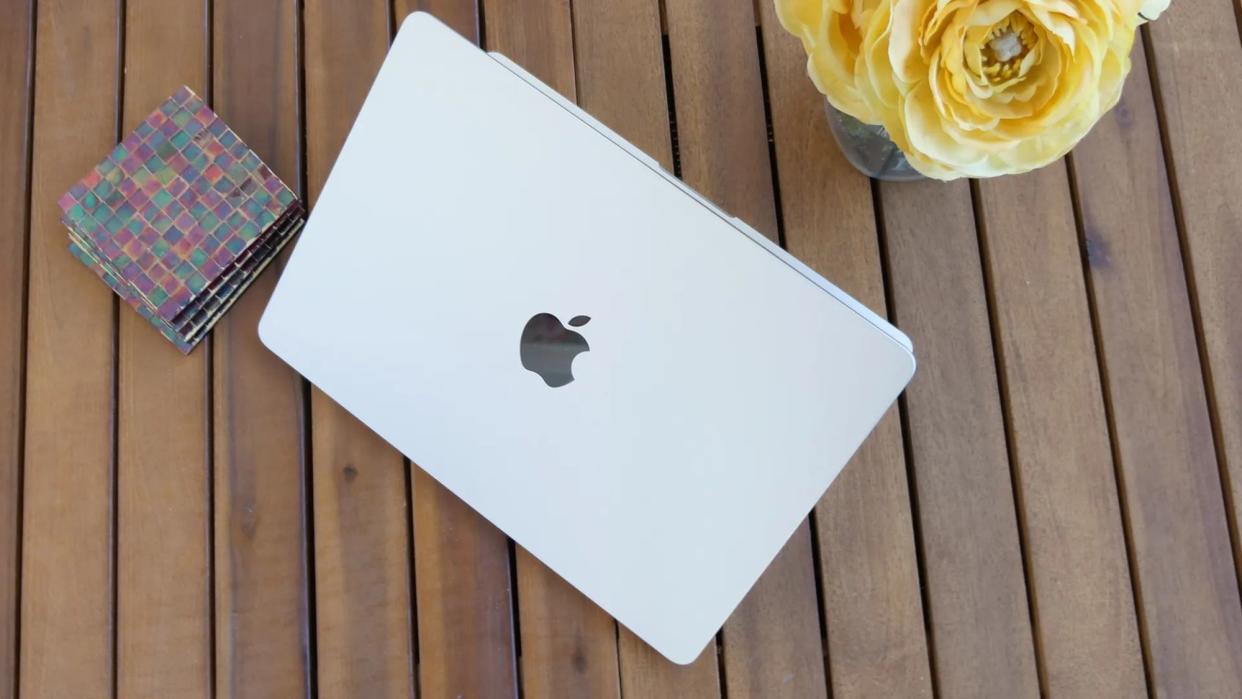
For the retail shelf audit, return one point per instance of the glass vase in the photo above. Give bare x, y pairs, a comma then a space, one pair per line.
869, 149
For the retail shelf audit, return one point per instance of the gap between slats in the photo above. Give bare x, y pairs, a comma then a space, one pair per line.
670, 96
1115, 448
114, 510
816, 562
23, 333
1015, 475
416, 659
1230, 505
510, 545
134, 54
1196, 315
1237, 16
886, 277
411, 576
407, 467
284, 618
209, 429
304, 419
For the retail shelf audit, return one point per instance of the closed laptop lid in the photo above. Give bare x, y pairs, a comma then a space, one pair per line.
479, 243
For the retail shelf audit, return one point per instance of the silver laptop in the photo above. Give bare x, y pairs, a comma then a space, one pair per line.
640, 389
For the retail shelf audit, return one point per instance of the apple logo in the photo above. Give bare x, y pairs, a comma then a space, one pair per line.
549, 348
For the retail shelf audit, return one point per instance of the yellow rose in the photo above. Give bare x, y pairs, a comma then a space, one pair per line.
970, 88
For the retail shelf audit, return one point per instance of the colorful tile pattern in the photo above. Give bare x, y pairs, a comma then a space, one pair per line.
180, 217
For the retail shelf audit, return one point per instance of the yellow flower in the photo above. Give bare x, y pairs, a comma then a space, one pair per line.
970, 88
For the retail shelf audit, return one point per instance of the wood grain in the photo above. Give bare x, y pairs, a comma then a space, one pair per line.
466, 639
362, 569
263, 627
163, 484
621, 82
16, 45
1159, 408
1088, 631
569, 645
771, 643
975, 590
877, 643
67, 574
1198, 59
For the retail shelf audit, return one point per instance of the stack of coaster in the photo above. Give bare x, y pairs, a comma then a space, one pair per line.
180, 218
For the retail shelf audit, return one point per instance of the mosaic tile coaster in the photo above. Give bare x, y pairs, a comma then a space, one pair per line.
250, 261
180, 217
186, 337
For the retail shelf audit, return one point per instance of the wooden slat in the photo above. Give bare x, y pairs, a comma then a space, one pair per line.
569, 645
461, 15
466, 639
974, 587
263, 627
646, 673
1163, 432
536, 34
1088, 632
465, 612
772, 643
16, 27
362, 568
67, 582
620, 68
621, 81
718, 100
362, 586
877, 644
343, 46
163, 484
1198, 60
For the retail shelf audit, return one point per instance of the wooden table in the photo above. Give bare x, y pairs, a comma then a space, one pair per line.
1053, 508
